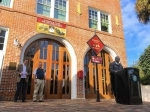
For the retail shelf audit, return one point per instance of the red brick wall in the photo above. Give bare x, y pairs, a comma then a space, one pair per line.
21, 21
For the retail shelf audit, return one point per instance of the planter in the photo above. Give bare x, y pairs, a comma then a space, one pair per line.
104, 28
145, 89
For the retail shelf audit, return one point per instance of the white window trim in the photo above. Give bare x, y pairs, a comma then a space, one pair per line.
52, 10
99, 17
110, 24
99, 22
11, 4
2, 52
67, 10
6, 39
1, 66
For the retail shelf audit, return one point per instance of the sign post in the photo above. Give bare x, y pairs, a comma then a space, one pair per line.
96, 45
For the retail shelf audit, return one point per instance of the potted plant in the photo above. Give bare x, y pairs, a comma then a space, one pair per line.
104, 25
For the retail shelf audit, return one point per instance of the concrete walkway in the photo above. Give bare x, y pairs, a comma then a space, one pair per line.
61, 105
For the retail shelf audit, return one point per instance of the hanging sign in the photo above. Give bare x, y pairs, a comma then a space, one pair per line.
96, 59
95, 44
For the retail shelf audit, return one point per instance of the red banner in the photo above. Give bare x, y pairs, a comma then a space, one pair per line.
51, 23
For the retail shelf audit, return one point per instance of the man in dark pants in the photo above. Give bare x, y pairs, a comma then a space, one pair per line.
114, 67
22, 79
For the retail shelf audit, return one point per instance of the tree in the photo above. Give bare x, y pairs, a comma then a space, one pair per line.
144, 63
137, 65
142, 8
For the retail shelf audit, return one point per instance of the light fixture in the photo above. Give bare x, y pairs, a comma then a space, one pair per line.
17, 43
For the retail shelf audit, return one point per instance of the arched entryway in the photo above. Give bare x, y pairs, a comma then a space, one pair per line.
56, 63
103, 76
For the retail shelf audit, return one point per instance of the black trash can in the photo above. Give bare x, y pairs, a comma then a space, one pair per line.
128, 86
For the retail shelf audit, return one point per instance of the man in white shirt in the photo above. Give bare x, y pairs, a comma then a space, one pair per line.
22, 78
39, 80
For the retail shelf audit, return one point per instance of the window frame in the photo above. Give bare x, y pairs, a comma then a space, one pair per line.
2, 39
60, 9
5, 40
99, 12
42, 5
2, 52
52, 9
10, 6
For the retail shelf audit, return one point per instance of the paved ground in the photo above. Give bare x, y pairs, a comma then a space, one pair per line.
72, 106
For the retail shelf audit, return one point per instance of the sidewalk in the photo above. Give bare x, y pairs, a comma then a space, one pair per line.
63, 105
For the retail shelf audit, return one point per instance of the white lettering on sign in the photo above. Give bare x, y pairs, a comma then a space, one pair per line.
52, 23
96, 59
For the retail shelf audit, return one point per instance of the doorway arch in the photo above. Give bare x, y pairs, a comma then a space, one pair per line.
71, 51
103, 75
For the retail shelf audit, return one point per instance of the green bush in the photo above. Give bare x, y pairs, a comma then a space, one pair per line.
143, 64
145, 80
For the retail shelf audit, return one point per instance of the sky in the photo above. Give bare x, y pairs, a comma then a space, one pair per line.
137, 35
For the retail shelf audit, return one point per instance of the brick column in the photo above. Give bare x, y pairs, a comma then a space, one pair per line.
80, 89
8, 85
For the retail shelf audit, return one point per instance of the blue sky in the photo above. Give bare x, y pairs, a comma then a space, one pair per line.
137, 35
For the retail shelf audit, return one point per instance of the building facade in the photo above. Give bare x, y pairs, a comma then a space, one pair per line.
55, 32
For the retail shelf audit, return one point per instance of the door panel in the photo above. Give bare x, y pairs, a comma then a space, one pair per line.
66, 78
55, 61
103, 76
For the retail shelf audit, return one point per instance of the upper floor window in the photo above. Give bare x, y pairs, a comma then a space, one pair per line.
99, 20
6, 3
43, 7
53, 8
2, 38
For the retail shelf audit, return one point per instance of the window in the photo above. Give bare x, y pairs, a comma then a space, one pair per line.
99, 20
6, 3
43, 7
2, 38
60, 9
104, 22
93, 19
53, 8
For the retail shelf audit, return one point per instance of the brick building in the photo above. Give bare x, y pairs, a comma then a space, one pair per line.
56, 32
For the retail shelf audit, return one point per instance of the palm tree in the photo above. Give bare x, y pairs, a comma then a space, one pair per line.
142, 8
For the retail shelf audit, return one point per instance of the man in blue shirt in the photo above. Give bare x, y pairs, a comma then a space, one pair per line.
39, 81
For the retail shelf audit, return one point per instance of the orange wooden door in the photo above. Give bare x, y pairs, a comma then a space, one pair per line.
56, 63
103, 76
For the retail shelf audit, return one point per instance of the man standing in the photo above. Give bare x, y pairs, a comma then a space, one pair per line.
39, 80
114, 67
22, 78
